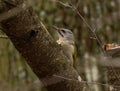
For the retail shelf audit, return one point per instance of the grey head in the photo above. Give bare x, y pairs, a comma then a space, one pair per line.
65, 34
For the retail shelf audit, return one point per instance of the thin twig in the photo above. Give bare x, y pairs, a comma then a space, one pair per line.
107, 85
68, 5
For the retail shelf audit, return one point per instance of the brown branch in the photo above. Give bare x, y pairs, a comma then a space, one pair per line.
107, 62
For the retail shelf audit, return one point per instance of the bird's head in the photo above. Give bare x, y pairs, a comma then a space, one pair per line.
65, 34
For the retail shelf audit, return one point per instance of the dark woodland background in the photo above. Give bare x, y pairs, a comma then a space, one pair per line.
103, 15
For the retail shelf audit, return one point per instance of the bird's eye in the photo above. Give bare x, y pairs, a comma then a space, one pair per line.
63, 31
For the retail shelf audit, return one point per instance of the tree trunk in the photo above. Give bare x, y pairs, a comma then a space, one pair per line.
42, 53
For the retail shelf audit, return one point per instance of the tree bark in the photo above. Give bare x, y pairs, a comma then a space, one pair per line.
42, 53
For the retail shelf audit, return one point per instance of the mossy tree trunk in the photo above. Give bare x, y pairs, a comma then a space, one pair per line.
41, 52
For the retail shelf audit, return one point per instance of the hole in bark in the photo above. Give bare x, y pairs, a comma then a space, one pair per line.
33, 33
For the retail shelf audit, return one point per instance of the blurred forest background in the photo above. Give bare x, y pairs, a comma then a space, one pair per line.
103, 15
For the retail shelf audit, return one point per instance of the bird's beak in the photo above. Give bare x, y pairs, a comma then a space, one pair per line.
58, 30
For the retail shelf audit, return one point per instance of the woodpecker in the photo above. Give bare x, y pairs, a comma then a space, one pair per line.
66, 40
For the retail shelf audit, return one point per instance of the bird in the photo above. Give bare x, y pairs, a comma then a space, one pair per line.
66, 40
